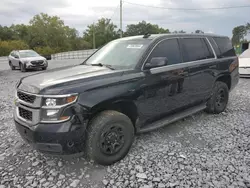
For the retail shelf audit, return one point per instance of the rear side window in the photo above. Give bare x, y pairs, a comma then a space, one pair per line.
225, 47
168, 48
195, 49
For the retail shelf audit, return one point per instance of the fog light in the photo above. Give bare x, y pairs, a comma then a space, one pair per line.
51, 113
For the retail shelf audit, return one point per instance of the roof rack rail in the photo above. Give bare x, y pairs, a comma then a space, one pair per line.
146, 35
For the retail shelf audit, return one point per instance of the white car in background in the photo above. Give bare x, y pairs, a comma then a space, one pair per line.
26, 59
244, 64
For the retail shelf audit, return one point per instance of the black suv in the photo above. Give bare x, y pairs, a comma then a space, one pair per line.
129, 86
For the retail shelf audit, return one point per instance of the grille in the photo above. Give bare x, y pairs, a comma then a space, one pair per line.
25, 114
26, 97
39, 62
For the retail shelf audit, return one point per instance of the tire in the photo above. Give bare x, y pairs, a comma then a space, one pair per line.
219, 99
22, 67
44, 68
107, 127
11, 66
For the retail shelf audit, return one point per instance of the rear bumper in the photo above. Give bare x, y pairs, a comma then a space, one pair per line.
64, 138
244, 72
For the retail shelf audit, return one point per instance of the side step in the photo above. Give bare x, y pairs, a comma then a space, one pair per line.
165, 121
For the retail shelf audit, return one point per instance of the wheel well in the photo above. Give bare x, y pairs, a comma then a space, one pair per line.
125, 107
226, 79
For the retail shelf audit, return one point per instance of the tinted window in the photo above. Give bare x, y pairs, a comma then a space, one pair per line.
208, 50
168, 48
195, 49
225, 46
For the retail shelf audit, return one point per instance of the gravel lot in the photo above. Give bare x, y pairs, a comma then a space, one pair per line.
201, 151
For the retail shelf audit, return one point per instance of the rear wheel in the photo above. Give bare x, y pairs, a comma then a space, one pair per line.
11, 66
110, 136
22, 67
218, 102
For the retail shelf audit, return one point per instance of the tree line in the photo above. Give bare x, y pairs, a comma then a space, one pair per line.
48, 34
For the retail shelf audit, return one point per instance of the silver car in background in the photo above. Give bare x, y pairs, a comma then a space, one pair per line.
26, 59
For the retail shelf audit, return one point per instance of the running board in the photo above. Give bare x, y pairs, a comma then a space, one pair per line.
165, 121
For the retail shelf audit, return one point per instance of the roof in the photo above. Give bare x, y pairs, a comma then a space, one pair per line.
155, 36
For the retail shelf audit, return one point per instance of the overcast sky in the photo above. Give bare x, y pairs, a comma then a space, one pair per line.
80, 13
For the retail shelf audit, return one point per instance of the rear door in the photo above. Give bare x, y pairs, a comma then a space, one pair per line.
165, 89
199, 56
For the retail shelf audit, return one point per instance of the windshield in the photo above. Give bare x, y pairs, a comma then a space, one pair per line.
30, 53
120, 54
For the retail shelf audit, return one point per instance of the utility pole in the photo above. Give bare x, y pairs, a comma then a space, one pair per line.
93, 35
121, 18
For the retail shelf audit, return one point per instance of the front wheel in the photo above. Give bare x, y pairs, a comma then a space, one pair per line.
44, 68
11, 66
219, 99
22, 67
109, 138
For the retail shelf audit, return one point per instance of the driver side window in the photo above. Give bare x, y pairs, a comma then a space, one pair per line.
168, 48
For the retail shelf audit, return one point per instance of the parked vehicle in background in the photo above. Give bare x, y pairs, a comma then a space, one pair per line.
244, 63
131, 85
26, 59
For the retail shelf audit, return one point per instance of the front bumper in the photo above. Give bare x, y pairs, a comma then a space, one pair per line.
63, 138
29, 65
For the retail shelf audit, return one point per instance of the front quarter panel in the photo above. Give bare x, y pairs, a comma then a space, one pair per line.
102, 97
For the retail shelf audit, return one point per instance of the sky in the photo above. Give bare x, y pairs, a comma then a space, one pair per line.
80, 13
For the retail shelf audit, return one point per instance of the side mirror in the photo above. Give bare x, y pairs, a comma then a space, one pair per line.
16, 56
157, 62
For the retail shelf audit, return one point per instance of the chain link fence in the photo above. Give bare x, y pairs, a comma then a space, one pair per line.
80, 54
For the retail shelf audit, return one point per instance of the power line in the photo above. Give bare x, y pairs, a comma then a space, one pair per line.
114, 11
189, 9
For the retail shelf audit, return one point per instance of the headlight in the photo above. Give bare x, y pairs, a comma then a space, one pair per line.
53, 108
59, 101
50, 102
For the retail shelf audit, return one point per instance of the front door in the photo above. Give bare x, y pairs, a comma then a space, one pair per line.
164, 89
15, 60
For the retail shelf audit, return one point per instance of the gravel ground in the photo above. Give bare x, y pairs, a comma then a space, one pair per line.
201, 151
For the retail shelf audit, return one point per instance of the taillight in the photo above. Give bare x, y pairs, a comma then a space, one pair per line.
234, 65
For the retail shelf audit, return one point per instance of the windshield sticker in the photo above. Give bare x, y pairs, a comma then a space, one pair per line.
138, 46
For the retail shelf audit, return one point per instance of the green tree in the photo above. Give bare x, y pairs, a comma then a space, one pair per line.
199, 31
6, 33
181, 31
239, 33
49, 31
104, 31
7, 46
142, 28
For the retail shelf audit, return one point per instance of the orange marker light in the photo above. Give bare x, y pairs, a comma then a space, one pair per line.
71, 99
64, 118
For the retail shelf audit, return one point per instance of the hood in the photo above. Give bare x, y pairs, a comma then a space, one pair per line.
64, 76
33, 58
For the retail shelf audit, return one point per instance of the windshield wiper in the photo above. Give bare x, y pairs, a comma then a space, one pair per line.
103, 65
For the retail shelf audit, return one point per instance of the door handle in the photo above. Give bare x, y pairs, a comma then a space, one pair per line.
183, 74
212, 66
